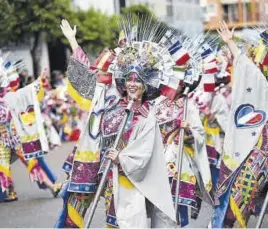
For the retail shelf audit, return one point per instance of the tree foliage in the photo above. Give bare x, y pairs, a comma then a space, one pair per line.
95, 30
20, 19
137, 10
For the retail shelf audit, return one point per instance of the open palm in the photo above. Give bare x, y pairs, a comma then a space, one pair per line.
67, 29
225, 32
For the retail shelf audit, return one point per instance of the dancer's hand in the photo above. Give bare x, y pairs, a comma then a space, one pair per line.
69, 33
67, 30
227, 37
225, 33
185, 124
180, 102
113, 155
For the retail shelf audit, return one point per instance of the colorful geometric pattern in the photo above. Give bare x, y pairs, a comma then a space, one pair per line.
243, 186
84, 177
246, 186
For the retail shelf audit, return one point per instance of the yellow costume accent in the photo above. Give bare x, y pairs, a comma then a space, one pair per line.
236, 211
31, 164
41, 93
83, 103
28, 118
87, 156
6, 171
75, 217
125, 182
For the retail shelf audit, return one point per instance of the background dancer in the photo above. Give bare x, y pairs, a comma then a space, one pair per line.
12, 145
243, 172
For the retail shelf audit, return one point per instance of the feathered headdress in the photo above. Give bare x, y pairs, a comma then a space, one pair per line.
215, 63
254, 43
162, 57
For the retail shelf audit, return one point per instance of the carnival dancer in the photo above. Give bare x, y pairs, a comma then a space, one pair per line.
244, 168
195, 179
139, 171
9, 145
195, 161
11, 141
213, 114
214, 111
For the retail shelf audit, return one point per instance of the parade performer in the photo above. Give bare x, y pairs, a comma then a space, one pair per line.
169, 116
9, 145
243, 171
214, 109
25, 110
195, 182
12, 144
139, 171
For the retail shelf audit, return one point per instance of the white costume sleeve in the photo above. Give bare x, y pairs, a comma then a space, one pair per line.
200, 158
144, 164
220, 109
135, 157
196, 126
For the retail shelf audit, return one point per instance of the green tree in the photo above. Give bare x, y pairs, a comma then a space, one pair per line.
29, 21
137, 10
95, 30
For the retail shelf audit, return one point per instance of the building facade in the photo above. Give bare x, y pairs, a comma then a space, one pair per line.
237, 13
180, 14
108, 7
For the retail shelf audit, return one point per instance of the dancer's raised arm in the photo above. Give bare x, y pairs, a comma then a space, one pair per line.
69, 33
227, 36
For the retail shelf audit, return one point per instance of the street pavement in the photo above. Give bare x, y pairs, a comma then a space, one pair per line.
38, 209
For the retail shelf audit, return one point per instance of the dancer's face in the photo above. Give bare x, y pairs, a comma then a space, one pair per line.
134, 86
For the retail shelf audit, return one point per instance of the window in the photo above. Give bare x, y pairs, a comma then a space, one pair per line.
169, 8
212, 9
230, 12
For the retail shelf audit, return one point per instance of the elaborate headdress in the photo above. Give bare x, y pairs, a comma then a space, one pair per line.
254, 43
163, 58
216, 64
